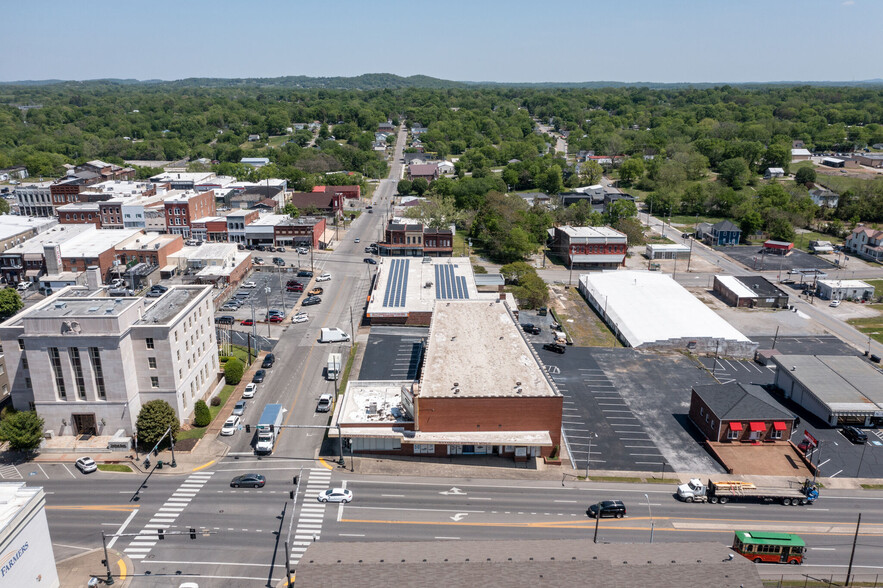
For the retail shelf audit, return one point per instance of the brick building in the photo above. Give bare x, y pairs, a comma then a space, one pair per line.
738, 413
585, 247
462, 403
415, 240
182, 207
427, 171
80, 213
304, 230
320, 202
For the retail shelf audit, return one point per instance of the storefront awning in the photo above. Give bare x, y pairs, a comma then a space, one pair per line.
756, 427
519, 438
735, 426
33, 273
779, 426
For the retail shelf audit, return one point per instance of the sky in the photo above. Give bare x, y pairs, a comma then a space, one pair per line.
475, 40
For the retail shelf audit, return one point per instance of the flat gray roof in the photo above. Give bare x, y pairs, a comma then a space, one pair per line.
475, 349
171, 303
845, 383
83, 307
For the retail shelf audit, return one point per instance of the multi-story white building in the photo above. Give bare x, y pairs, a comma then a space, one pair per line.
87, 363
35, 199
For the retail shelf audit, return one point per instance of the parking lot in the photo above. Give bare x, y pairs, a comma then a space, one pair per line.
751, 256
626, 411
393, 353
269, 292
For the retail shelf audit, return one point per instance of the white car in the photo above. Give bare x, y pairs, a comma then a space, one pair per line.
249, 285
834, 303
324, 278
250, 390
22, 286
86, 465
230, 425
325, 402
357, 240
335, 495
302, 250
300, 317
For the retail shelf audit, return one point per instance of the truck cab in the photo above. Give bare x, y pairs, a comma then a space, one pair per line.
694, 490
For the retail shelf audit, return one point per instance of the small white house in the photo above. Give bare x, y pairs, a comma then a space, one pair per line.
446, 168
845, 289
774, 172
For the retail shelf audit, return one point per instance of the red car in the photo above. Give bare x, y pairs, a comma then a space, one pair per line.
247, 322
298, 288
276, 318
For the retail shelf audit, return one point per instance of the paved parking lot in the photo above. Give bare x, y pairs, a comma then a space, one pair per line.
393, 353
751, 256
808, 345
636, 405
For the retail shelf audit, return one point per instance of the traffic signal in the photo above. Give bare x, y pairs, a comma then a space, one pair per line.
192, 533
161, 533
294, 481
291, 494
155, 451
147, 463
247, 428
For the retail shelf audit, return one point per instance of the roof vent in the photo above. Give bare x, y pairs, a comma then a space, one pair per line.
456, 384
61, 305
93, 309
456, 390
518, 383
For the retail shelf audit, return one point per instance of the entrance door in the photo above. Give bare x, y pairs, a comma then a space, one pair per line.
84, 424
469, 449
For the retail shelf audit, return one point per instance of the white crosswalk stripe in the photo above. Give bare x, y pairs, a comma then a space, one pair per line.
143, 543
312, 513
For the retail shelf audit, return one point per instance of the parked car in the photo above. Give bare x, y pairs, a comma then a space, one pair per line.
250, 390
555, 347
154, 294
804, 445
86, 465
325, 402
855, 435
835, 303
305, 274
531, 328
230, 425
317, 291
259, 376
369, 260
278, 261
276, 318
336, 495
369, 250
609, 508
295, 288
249, 285
160, 288
224, 319
303, 250
258, 261
239, 408
22, 286
248, 481
269, 360
357, 239
311, 301
247, 322
323, 278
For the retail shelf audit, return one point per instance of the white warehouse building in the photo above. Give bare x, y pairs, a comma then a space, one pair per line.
649, 310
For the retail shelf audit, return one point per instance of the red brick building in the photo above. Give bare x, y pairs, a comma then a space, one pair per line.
321, 202
414, 240
590, 247
733, 413
305, 230
79, 213
348, 192
183, 207
463, 404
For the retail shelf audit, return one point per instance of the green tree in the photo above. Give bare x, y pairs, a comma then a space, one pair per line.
590, 173
404, 187
631, 170
514, 272
22, 430
781, 230
777, 156
620, 209
202, 416
552, 180
154, 419
532, 291
10, 302
233, 371
750, 223
4, 206
517, 244
291, 210
633, 230
734, 173
805, 175
420, 185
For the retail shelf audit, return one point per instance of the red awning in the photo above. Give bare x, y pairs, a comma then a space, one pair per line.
755, 427
779, 426
735, 426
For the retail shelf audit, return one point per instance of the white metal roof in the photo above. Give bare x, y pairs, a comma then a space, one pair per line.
800, 152
844, 283
667, 247
736, 287
602, 232
649, 307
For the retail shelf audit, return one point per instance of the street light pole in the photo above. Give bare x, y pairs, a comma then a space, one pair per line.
109, 580
597, 520
651, 517
267, 293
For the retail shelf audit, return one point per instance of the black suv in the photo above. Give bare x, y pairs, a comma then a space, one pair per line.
555, 347
855, 435
269, 360
305, 274
609, 508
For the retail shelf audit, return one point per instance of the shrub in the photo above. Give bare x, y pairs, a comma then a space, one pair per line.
216, 401
225, 358
23, 431
202, 416
233, 371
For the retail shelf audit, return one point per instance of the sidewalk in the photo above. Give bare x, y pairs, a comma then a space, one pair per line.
75, 572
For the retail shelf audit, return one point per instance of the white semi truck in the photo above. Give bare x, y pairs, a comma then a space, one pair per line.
268, 428
724, 491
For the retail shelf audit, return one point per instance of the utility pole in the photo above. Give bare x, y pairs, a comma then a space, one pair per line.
690, 256
775, 337
852, 554
597, 521
352, 326
267, 318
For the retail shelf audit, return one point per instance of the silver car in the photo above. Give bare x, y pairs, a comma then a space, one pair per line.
86, 465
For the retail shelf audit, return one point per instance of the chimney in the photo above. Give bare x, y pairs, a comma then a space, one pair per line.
93, 277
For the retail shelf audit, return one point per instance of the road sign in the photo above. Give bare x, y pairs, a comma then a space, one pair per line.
812, 440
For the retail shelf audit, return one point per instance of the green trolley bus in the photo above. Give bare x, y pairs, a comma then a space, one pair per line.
769, 547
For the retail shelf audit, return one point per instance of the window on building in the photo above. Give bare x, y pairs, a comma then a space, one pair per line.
79, 379
154, 381
151, 363
55, 362
149, 342
28, 386
21, 344
424, 448
774, 434
95, 358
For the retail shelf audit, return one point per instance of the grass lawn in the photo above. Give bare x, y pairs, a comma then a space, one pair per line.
802, 240
349, 366
460, 244
114, 467
841, 184
690, 220
278, 141
198, 432
872, 326
587, 328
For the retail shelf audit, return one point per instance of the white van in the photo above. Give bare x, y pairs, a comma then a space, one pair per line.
332, 335
332, 372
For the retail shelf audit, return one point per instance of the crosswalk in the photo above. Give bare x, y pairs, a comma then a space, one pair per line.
143, 543
312, 512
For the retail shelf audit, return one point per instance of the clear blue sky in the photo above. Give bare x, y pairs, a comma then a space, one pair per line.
477, 40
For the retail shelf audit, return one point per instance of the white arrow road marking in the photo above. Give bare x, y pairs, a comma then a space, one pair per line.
459, 516
454, 490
